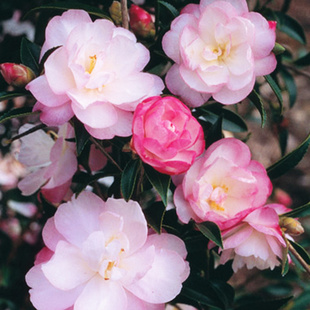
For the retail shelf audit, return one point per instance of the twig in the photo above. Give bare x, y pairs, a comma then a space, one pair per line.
101, 148
38, 127
298, 257
125, 23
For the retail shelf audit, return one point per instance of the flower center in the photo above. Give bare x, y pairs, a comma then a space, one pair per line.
217, 198
93, 60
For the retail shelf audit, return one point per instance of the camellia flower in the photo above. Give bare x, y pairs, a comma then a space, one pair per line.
256, 241
94, 74
218, 47
222, 186
166, 135
99, 255
51, 164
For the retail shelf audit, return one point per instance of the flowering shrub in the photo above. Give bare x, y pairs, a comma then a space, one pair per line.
219, 47
166, 135
98, 255
138, 182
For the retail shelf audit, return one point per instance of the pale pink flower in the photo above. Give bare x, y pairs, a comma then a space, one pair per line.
218, 47
166, 135
222, 185
98, 256
94, 74
256, 241
51, 164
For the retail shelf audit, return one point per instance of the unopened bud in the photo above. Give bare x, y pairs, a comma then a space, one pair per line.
16, 75
291, 226
141, 22
115, 11
278, 49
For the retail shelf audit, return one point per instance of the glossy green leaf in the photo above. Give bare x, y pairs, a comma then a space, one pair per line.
174, 12
301, 211
276, 89
29, 55
273, 304
214, 133
161, 182
286, 5
211, 231
290, 26
290, 86
289, 161
19, 112
303, 61
231, 121
155, 214
6, 95
129, 177
81, 136
256, 99
301, 251
66, 5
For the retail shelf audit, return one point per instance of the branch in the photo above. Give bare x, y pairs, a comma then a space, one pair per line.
125, 23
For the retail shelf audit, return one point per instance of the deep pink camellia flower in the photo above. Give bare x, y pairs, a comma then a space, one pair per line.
222, 186
218, 47
99, 256
166, 135
94, 73
256, 241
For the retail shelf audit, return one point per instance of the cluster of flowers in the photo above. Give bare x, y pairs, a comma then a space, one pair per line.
100, 255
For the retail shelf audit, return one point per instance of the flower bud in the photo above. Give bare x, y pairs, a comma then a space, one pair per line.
16, 75
141, 22
291, 226
116, 12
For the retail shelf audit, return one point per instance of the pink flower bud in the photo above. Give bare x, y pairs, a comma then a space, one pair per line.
16, 75
141, 22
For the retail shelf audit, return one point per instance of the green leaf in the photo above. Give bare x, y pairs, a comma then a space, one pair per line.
161, 182
63, 6
211, 231
29, 55
155, 214
301, 251
81, 136
303, 61
129, 177
231, 121
290, 26
276, 89
199, 297
256, 99
174, 12
301, 211
273, 304
290, 86
6, 95
19, 112
214, 133
289, 161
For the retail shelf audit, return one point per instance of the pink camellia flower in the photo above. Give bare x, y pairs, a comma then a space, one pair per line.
222, 186
98, 255
256, 241
166, 135
94, 74
51, 164
218, 47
